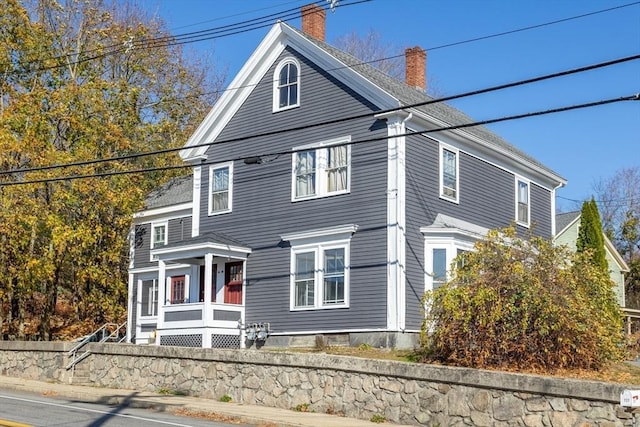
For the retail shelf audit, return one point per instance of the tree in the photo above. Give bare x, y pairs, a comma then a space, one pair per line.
524, 304
82, 81
590, 237
619, 200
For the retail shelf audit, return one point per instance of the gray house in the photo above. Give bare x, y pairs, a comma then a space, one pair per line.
321, 204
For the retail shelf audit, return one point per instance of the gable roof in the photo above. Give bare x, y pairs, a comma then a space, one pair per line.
567, 219
563, 220
176, 191
381, 89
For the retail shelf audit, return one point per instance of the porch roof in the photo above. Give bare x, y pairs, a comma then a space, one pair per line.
215, 243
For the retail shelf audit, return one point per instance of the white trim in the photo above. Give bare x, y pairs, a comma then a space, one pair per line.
491, 153
152, 236
318, 249
276, 84
198, 249
195, 211
241, 87
326, 143
518, 180
175, 210
154, 269
441, 147
212, 169
340, 232
396, 221
321, 168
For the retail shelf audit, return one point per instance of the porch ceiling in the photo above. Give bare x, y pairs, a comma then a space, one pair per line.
214, 243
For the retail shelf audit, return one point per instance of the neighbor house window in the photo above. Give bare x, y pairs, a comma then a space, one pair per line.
449, 174
522, 202
220, 188
286, 92
149, 298
321, 170
320, 268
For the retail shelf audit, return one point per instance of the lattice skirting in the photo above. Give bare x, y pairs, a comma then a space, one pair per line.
194, 340
225, 341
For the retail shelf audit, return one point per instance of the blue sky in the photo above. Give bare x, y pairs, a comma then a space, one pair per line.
583, 146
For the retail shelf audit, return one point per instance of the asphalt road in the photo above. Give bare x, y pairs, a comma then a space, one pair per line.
18, 409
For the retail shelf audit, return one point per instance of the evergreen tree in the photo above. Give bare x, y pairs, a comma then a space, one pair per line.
590, 236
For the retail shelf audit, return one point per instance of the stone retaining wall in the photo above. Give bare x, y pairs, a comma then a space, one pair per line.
401, 392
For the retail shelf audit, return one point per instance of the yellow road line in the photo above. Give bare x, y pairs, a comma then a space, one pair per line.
7, 423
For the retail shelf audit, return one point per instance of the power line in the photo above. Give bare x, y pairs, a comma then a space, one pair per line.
170, 40
335, 121
382, 138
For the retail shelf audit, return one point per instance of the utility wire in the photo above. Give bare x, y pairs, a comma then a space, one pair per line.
339, 120
167, 41
367, 140
293, 13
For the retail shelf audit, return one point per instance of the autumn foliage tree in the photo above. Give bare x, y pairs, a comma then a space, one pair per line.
523, 304
81, 81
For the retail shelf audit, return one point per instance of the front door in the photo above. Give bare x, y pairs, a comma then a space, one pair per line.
177, 290
233, 282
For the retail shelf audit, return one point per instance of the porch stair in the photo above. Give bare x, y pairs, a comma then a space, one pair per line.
109, 332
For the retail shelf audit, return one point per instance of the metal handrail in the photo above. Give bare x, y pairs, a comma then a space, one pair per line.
101, 334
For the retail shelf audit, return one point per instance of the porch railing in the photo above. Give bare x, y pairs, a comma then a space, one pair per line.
107, 332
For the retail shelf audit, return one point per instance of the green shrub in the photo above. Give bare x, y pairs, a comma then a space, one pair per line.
225, 398
377, 418
523, 304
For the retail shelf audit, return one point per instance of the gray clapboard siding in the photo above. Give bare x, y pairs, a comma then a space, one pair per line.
487, 198
263, 210
177, 229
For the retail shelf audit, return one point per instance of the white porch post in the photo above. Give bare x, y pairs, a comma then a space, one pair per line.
208, 270
162, 297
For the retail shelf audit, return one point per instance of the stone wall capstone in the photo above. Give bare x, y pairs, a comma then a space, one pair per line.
408, 393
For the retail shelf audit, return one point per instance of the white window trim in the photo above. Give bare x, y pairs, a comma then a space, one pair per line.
451, 247
152, 245
519, 179
210, 198
321, 149
317, 241
443, 147
276, 84
318, 251
139, 299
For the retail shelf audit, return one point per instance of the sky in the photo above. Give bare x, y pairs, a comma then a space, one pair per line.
583, 146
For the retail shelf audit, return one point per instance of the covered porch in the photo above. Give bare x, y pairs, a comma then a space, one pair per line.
202, 303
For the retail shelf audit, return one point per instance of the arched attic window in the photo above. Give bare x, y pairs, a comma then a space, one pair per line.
286, 88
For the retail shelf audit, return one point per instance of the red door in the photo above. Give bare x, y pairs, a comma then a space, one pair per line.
233, 282
177, 290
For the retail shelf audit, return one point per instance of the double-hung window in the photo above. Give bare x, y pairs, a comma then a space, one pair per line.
321, 170
158, 236
286, 90
220, 188
522, 202
449, 173
320, 268
148, 298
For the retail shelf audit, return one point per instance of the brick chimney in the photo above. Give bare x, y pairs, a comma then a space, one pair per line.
416, 67
313, 20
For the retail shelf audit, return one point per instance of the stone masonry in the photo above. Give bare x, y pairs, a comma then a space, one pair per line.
406, 393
